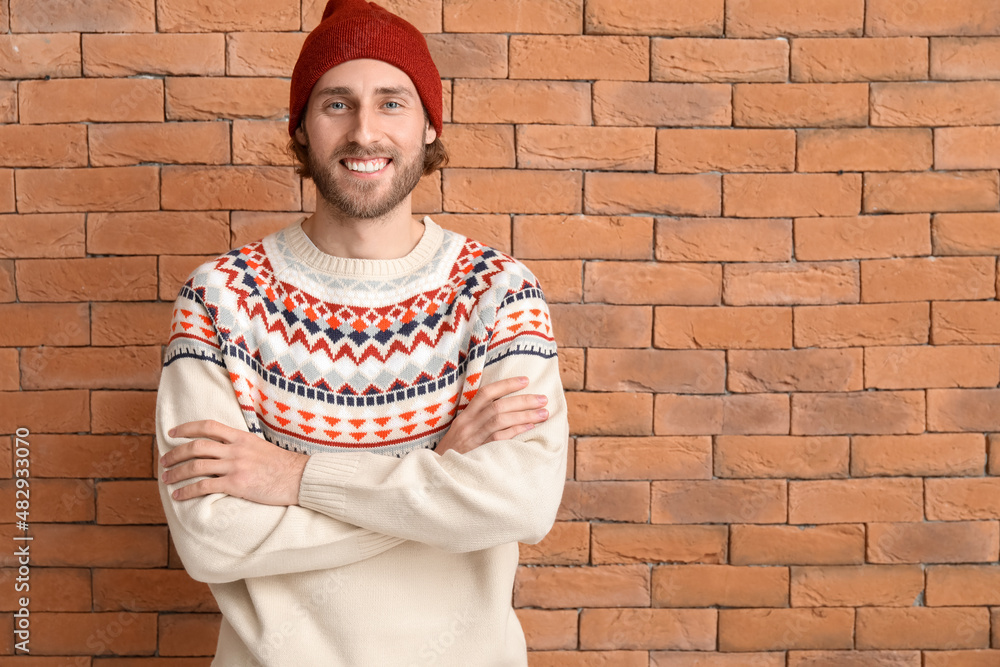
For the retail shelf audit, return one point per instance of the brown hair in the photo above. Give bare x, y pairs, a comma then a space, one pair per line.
435, 158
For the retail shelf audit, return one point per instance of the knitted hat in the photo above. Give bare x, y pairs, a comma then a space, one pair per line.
352, 29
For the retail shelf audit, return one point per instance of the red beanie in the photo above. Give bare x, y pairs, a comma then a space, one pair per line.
352, 29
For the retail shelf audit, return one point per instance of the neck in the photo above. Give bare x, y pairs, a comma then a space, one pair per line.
392, 236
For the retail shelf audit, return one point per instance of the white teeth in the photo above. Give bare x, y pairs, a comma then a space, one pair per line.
366, 166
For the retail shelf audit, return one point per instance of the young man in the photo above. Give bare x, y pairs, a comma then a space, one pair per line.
390, 361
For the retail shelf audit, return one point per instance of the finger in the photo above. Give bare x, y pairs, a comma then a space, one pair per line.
192, 450
202, 487
520, 402
509, 433
206, 428
194, 468
507, 419
494, 390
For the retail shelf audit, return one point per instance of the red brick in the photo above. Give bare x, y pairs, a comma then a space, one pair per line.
569, 147
959, 58
777, 195
48, 146
188, 634
645, 543
922, 627
90, 368
723, 240
962, 409
480, 145
8, 290
45, 324
931, 191
696, 659
87, 279
855, 500
719, 60
516, 191
934, 542
579, 57
150, 590
585, 237
933, 104
966, 148
691, 151
469, 55
127, 55
123, 411
129, 502
499, 101
677, 371
653, 283
719, 501
968, 322
507, 16
493, 230
966, 234
227, 15
551, 630
862, 324
654, 17
95, 189
932, 17
940, 366
10, 375
571, 365
39, 56
961, 499
829, 544
648, 629
174, 270
247, 226
91, 100
562, 281
875, 413
719, 585
781, 456
774, 18
869, 59
711, 415
95, 633
72, 16
568, 543
54, 499
8, 101
610, 413
92, 456
425, 15
778, 629
937, 278
984, 658
45, 412
427, 196
116, 145
795, 370
791, 283
922, 455
254, 188
589, 586
63, 589
156, 233
866, 149
117, 324
723, 327
43, 235
857, 586
262, 53
684, 194
962, 585
211, 98
862, 237
643, 458
673, 104
447, 95
800, 104
605, 501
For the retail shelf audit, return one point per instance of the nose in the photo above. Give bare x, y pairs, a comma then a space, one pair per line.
364, 131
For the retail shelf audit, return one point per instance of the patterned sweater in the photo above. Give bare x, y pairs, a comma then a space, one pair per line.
395, 555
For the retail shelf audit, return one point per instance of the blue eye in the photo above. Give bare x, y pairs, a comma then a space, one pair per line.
392, 107
334, 105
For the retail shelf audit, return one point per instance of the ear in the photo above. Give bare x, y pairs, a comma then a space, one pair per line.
300, 134
430, 134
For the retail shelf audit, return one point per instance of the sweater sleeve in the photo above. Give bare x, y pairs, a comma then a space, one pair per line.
220, 537
500, 492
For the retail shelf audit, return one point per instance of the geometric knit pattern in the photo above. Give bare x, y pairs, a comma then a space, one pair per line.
323, 362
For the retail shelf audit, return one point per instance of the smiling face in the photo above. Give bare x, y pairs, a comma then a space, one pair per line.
367, 135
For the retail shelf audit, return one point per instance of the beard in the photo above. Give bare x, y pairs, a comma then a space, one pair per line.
361, 199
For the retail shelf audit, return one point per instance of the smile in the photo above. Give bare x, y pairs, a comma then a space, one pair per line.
366, 166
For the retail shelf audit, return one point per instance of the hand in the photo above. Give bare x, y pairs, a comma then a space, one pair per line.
239, 463
489, 416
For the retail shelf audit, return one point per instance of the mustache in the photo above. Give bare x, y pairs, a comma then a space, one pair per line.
358, 151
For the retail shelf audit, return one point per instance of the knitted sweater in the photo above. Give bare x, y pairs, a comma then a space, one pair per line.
395, 555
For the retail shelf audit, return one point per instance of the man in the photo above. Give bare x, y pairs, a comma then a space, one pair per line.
390, 361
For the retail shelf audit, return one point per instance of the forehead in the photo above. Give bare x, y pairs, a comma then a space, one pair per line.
364, 76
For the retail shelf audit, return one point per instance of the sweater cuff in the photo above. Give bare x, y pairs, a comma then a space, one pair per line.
324, 479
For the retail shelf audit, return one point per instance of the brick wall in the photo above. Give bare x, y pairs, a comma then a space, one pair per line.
768, 230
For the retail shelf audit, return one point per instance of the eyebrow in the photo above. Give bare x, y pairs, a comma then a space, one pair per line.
383, 90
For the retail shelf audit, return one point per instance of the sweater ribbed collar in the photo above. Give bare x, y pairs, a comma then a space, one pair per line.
305, 251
